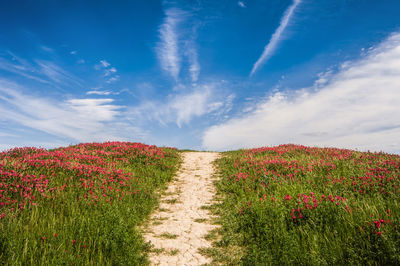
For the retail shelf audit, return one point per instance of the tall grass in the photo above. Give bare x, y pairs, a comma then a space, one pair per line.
80, 204
300, 205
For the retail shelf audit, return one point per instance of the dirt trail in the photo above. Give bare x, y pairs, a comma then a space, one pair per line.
178, 227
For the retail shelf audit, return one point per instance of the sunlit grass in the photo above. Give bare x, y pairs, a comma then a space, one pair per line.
299, 205
81, 204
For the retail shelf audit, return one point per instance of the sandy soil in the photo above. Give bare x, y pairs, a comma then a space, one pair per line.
178, 227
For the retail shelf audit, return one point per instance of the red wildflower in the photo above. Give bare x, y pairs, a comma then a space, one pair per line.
377, 224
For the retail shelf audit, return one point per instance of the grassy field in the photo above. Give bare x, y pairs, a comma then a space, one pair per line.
312, 206
80, 204
289, 204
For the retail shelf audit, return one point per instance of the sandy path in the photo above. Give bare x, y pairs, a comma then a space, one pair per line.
179, 225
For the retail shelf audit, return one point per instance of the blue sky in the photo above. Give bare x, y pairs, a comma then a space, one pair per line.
201, 74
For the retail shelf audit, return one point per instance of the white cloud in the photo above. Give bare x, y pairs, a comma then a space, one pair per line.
47, 49
96, 92
241, 4
176, 50
73, 52
110, 71
22, 68
42, 71
182, 108
104, 63
97, 109
76, 119
271, 46
194, 68
191, 105
113, 79
358, 108
168, 48
56, 74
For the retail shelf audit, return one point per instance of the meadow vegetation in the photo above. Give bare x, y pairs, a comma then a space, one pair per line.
80, 204
300, 205
288, 204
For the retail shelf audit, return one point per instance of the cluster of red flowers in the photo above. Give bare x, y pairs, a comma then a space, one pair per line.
378, 225
239, 176
27, 174
306, 202
326, 171
376, 172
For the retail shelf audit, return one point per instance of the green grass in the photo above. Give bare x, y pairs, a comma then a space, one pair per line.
172, 252
171, 201
77, 213
290, 204
163, 210
157, 250
299, 205
168, 236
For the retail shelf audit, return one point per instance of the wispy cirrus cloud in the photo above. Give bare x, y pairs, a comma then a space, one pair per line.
194, 104
56, 73
21, 68
108, 71
356, 107
104, 63
273, 42
98, 92
167, 51
75, 119
47, 49
183, 107
241, 4
50, 73
177, 48
112, 79
63, 119
194, 66
97, 109
43, 71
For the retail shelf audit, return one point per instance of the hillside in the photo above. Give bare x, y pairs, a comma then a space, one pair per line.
80, 204
290, 204
300, 205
